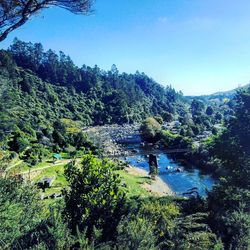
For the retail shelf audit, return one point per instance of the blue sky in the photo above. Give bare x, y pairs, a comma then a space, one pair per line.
197, 46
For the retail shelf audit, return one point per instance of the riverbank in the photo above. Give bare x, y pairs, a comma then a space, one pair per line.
121, 141
157, 187
109, 137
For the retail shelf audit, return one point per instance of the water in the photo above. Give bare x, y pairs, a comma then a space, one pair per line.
179, 182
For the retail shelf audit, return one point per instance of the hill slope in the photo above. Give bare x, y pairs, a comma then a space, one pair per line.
46, 97
221, 95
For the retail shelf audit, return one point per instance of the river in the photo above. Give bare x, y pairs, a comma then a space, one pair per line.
180, 182
117, 140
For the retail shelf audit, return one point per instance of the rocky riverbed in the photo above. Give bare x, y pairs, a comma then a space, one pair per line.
123, 141
109, 137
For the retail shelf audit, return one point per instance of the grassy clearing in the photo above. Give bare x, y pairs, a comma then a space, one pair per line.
134, 184
48, 169
15, 166
56, 171
20, 166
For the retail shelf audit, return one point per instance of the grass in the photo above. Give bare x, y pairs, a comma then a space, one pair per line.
54, 171
18, 165
134, 184
21, 166
48, 169
15, 165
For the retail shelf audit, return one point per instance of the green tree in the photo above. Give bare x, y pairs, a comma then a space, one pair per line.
19, 142
150, 129
168, 117
95, 197
209, 110
162, 214
20, 212
192, 232
135, 233
35, 154
229, 201
159, 119
238, 226
197, 107
218, 116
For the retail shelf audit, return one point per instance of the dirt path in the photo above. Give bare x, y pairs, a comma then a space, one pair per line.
157, 187
14, 165
50, 165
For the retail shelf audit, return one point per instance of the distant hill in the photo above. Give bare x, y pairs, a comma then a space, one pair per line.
219, 96
230, 93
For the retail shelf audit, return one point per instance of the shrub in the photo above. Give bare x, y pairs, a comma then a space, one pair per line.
95, 197
150, 129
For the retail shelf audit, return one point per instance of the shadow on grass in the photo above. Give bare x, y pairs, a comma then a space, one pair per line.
145, 179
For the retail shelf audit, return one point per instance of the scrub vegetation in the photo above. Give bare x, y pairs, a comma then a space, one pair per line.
58, 191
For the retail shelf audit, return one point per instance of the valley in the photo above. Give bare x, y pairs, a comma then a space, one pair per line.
94, 159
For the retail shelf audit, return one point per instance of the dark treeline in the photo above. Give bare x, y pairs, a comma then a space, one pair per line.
229, 202
118, 97
47, 99
96, 213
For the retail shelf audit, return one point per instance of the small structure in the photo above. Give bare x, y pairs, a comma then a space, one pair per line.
55, 195
56, 157
153, 160
45, 183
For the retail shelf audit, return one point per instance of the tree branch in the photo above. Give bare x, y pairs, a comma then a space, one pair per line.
15, 13
26, 13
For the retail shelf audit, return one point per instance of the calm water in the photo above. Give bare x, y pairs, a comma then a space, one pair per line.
180, 182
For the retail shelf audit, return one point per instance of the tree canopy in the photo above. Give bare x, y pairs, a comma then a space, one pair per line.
15, 13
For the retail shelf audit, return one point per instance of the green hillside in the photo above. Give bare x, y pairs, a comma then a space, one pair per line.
46, 99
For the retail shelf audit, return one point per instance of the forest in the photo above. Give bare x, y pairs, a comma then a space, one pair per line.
46, 101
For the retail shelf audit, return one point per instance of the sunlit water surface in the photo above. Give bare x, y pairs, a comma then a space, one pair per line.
180, 182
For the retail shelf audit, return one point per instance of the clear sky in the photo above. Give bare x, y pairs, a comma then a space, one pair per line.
197, 46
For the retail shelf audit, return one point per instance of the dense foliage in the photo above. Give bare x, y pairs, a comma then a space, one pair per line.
150, 129
112, 97
98, 216
20, 211
230, 201
95, 197
47, 100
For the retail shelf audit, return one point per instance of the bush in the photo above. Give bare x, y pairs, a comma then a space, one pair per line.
171, 140
150, 129
135, 233
20, 212
95, 197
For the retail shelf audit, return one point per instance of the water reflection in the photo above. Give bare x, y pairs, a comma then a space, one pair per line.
180, 178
